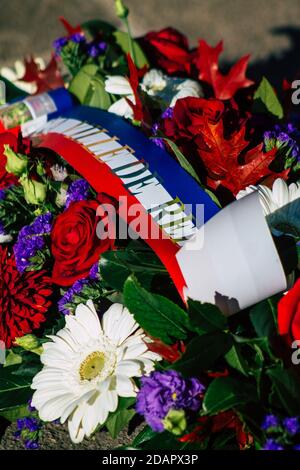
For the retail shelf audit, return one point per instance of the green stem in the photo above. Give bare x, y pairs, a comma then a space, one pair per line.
130, 40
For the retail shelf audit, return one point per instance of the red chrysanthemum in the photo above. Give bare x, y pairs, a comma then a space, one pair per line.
24, 299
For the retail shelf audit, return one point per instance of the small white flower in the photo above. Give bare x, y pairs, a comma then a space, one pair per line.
273, 199
61, 197
153, 82
186, 89
5, 238
59, 172
88, 365
118, 85
15, 75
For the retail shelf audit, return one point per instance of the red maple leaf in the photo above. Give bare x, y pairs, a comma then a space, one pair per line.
47, 79
69, 28
224, 86
224, 163
133, 79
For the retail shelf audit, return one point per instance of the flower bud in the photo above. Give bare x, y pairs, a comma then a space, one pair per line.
61, 197
16, 163
29, 343
40, 169
175, 422
34, 192
121, 10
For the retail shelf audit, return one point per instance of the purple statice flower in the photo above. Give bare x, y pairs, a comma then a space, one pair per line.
291, 425
270, 421
31, 444
31, 240
69, 295
271, 444
77, 38
283, 138
296, 447
162, 391
58, 44
93, 51
94, 272
77, 191
168, 113
31, 408
157, 140
96, 48
2, 194
2, 229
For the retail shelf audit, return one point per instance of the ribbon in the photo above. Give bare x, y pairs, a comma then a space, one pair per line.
117, 159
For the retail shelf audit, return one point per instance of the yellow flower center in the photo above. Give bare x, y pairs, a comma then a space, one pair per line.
92, 366
174, 396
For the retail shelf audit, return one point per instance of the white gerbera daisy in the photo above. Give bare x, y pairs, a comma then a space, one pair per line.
88, 365
273, 199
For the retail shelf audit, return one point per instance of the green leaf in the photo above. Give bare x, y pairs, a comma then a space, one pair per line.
206, 317
118, 421
286, 384
15, 412
145, 435
265, 100
12, 359
225, 392
183, 161
286, 219
263, 318
157, 315
14, 390
202, 352
235, 359
117, 266
89, 87
122, 40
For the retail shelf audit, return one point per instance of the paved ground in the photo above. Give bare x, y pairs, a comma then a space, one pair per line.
269, 30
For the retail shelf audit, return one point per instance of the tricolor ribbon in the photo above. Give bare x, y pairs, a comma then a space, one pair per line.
119, 160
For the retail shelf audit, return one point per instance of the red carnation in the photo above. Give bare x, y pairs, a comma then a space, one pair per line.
289, 314
168, 49
24, 299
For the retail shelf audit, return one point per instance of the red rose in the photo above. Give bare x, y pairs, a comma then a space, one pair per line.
289, 314
75, 245
168, 49
187, 126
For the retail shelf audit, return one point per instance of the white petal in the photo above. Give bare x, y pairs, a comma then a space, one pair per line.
54, 408
125, 386
118, 85
122, 108
87, 316
129, 368
280, 192
74, 423
78, 331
